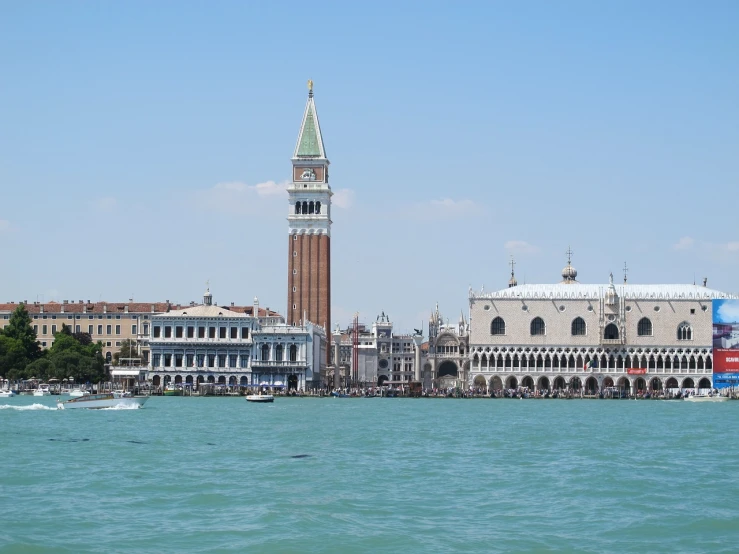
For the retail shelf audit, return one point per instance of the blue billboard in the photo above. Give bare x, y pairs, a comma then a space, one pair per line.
725, 343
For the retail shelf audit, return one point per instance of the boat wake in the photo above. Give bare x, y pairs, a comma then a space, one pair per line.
26, 408
121, 407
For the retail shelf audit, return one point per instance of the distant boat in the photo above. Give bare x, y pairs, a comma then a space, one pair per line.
7, 393
260, 397
706, 398
42, 390
77, 392
113, 399
171, 390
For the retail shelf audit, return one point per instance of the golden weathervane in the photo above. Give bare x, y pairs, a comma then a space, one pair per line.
310, 85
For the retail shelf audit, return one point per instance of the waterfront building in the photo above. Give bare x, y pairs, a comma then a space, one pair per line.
108, 322
447, 363
592, 336
383, 357
309, 226
229, 345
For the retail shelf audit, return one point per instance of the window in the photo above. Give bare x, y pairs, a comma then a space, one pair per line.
265, 352
77, 329
89, 329
167, 331
133, 329
117, 343
201, 332
497, 327
100, 329
109, 329
611, 332
178, 331
684, 331
211, 360
168, 360
43, 329
222, 332
178, 360
201, 360
190, 358
221, 360
146, 328
43, 343
278, 353
232, 360
293, 353
155, 359
190, 332
117, 329
35, 329
644, 328
211, 332
234, 332
578, 327
692, 311
157, 331
53, 329
537, 326
244, 332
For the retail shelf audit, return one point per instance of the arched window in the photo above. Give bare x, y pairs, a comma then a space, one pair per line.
497, 327
278, 353
538, 327
684, 331
611, 332
305, 207
644, 329
265, 352
293, 353
318, 207
578, 326
297, 208
310, 207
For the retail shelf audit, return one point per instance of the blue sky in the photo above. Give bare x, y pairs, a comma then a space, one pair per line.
144, 145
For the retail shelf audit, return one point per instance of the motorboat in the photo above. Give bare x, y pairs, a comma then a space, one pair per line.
259, 397
115, 399
172, 390
706, 398
78, 392
7, 393
42, 390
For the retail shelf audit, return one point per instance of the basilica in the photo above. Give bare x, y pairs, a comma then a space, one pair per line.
592, 337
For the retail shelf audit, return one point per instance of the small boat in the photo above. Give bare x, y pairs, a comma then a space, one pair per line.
7, 393
113, 399
78, 392
171, 390
42, 390
260, 397
706, 398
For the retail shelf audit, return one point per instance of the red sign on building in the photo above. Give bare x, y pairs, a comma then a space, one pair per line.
636, 370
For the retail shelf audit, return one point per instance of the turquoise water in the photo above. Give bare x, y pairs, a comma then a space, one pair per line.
374, 475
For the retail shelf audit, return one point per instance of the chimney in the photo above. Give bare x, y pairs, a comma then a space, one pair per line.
125, 309
152, 308
105, 308
80, 301
62, 306
65, 302
41, 308
232, 304
84, 308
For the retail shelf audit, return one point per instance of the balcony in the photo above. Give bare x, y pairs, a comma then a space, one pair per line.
280, 364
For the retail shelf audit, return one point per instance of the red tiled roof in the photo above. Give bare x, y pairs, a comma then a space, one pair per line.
119, 308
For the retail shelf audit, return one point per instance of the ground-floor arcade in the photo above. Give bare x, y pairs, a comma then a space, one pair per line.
592, 384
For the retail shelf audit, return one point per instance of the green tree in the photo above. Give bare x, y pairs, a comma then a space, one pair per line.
75, 355
128, 350
19, 328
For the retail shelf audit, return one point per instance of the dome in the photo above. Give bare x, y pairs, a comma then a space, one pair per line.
569, 274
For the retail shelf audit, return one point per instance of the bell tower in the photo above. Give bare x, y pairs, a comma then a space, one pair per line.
309, 226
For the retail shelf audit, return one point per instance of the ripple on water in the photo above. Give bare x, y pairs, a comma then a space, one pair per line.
380, 475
